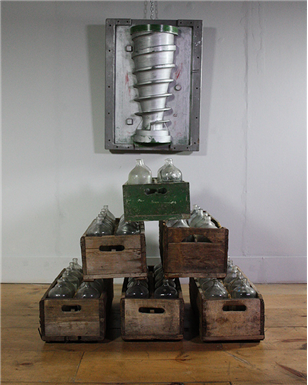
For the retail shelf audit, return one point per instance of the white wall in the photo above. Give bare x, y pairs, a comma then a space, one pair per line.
250, 172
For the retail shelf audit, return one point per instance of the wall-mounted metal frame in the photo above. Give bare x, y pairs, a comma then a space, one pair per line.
120, 107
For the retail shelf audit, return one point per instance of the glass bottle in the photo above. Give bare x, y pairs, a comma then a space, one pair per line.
165, 291
72, 270
61, 290
169, 173
177, 223
158, 266
137, 291
133, 281
231, 276
197, 218
206, 223
76, 264
194, 213
125, 228
244, 290
98, 228
108, 221
206, 282
238, 280
229, 264
109, 213
216, 291
86, 290
140, 174
97, 285
73, 279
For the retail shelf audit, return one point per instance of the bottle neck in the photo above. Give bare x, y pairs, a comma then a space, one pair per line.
169, 162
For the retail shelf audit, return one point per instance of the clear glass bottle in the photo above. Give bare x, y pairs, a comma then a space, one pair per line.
73, 279
98, 228
197, 218
76, 265
177, 223
244, 290
206, 282
140, 174
216, 291
137, 291
231, 276
106, 220
229, 265
72, 270
86, 290
194, 212
97, 285
169, 173
158, 266
133, 281
159, 280
61, 290
109, 213
126, 228
238, 280
206, 223
165, 291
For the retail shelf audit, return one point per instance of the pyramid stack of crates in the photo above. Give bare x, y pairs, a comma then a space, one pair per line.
185, 252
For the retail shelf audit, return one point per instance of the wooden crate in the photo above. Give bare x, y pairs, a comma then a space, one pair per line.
229, 319
156, 201
193, 252
72, 319
114, 256
152, 319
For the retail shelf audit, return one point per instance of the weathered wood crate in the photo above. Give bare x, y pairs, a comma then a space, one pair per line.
193, 252
152, 319
72, 319
229, 319
114, 256
156, 201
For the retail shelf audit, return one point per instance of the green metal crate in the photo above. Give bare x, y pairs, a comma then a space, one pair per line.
156, 201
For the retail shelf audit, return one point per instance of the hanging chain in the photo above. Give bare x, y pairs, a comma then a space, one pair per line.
153, 9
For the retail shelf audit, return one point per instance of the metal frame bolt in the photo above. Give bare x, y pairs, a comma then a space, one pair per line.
129, 121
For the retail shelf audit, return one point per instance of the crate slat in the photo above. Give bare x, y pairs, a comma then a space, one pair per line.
204, 256
114, 256
72, 319
152, 319
228, 319
156, 201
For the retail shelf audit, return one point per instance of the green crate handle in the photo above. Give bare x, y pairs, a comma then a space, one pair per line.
150, 191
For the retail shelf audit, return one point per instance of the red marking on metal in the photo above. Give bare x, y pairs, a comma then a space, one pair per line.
178, 71
127, 82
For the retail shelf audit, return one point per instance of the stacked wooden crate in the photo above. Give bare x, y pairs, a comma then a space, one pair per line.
185, 252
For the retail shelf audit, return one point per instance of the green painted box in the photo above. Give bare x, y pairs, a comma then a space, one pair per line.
156, 201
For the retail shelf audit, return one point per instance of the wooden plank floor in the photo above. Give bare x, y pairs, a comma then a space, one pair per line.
279, 359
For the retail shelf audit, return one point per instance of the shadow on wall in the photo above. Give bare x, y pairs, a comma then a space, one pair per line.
96, 58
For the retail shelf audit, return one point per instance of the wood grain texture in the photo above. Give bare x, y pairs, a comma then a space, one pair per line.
114, 256
152, 319
72, 319
193, 252
279, 359
228, 319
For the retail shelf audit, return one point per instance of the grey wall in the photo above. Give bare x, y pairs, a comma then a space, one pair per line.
250, 172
